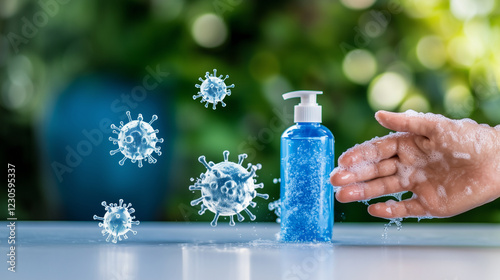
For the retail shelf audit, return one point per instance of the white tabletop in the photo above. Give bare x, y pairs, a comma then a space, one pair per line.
188, 251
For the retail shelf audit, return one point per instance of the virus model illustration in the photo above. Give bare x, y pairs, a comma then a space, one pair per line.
213, 89
117, 221
227, 188
276, 206
136, 140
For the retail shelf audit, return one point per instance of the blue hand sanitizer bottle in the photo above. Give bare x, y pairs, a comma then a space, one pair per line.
307, 158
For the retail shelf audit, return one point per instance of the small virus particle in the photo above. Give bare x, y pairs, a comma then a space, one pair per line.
136, 140
213, 89
227, 188
117, 221
276, 206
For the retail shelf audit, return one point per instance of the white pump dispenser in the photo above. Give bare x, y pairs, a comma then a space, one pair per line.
308, 110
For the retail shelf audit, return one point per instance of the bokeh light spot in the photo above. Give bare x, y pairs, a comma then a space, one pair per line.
9, 7
466, 9
166, 9
16, 96
387, 91
415, 102
461, 52
478, 32
19, 67
420, 8
458, 101
359, 66
490, 108
483, 81
273, 89
357, 4
431, 52
209, 31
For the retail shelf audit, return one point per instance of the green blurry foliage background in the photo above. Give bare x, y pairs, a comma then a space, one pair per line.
431, 56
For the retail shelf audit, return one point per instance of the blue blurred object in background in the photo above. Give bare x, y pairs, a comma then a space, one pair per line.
78, 170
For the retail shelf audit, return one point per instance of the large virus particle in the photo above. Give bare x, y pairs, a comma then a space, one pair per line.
227, 188
117, 221
213, 89
136, 140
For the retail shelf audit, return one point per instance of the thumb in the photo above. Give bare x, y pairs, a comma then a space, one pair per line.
410, 121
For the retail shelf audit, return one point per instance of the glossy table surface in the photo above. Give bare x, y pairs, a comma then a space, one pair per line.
186, 251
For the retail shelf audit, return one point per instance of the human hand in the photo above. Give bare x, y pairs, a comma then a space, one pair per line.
450, 166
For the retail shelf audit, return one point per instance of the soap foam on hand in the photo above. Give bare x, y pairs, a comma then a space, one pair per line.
461, 155
439, 163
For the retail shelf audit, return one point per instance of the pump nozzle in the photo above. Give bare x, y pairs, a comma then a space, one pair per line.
306, 96
307, 110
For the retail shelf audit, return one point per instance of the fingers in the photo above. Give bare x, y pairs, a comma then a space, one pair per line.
424, 144
370, 171
402, 209
369, 190
370, 151
421, 124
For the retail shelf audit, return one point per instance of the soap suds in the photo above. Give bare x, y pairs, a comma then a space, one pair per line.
424, 217
362, 168
404, 172
429, 116
390, 203
468, 190
461, 155
396, 221
461, 122
460, 133
435, 156
420, 176
454, 136
334, 171
398, 196
441, 191
412, 113
368, 150
439, 128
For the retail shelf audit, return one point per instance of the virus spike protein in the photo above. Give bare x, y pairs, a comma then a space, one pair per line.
276, 206
227, 188
213, 89
136, 140
117, 221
